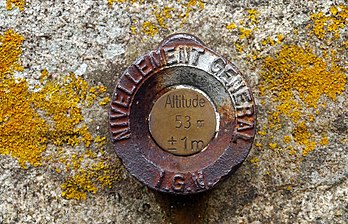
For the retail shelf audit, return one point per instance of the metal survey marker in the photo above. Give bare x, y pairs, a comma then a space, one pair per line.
182, 118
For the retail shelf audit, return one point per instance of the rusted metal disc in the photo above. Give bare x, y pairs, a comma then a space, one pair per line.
182, 118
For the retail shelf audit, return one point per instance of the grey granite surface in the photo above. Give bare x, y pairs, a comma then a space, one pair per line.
97, 41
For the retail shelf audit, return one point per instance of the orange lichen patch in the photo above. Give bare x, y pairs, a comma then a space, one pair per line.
255, 161
297, 78
149, 28
231, 26
10, 51
105, 101
244, 33
245, 30
280, 37
287, 139
273, 145
324, 140
10, 4
253, 16
297, 71
62, 104
85, 172
22, 130
93, 93
90, 176
30, 121
324, 24
163, 14
190, 7
111, 2
301, 134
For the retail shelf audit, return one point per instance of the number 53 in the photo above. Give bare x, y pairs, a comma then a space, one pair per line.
183, 121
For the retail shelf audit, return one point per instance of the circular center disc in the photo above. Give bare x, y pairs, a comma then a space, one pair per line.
183, 121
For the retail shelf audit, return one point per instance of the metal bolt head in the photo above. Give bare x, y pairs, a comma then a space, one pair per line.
182, 118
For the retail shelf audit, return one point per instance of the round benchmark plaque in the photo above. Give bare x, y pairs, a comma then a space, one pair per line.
183, 121
182, 118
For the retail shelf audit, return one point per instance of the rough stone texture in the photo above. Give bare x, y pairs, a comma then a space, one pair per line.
95, 41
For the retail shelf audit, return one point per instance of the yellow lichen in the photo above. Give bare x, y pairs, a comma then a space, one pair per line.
245, 30
239, 48
105, 101
262, 133
244, 33
149, 28
273, 145
111, 2
163, 14
52, 114
324, 140
22, 129
201, 5
297, 71
287, 139
189, 7
255, 161
10, 51
280, 37
133, 28
25, 129
231, 26
163, 17
91, 177
325, 24
10, 4
297, 77
301, 134
253, 15
99, 140
292, 151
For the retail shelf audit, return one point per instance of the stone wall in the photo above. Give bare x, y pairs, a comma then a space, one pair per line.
59, 63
